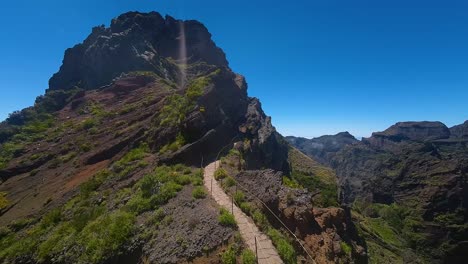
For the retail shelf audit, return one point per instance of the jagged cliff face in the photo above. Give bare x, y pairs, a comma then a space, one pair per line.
420, 167
136, 42
144, 93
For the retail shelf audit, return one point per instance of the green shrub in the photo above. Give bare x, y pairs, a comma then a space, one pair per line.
248, 257
285, 249
229, 182
225, 218
239, 197
234, 152
382, 229
138, 204
246, 208
128, 108
199, 193
346, 248
260, 219
394, 215
148, 186
328, 192
158, 216
4, 203
61, 238
89, 123
105, 236
8, 151
52, 218
136, 154
167, 192
14, 247
183, 179
174, 111
229, 256
197, 181
87, 188
220, 174
291, 183
173, 146
85, 147
199, 173
84, 214
196, 88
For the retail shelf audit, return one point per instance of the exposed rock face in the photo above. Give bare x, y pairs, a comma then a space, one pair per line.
460, 131
404, 131
136, 42
417, 165
324, 147
267, 148
324, 230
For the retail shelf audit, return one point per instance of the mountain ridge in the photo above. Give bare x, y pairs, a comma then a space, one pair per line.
416, 169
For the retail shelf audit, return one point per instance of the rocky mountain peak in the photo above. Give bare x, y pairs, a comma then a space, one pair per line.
136, 42
412, 131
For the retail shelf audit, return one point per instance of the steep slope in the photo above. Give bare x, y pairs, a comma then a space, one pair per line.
408, 184
460, 131
324, 147
298, 211
91, 172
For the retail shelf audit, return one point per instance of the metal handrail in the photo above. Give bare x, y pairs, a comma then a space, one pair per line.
266, 206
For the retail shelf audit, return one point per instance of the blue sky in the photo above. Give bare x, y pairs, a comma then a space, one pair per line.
319, 67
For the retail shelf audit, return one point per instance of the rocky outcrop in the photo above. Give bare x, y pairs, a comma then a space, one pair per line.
409, 131
460, 131
136, 42
324, 147
324, 231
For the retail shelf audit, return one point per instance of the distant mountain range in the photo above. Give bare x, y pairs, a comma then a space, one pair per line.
417, 167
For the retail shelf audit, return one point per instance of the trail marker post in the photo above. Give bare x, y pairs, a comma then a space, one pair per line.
256, 250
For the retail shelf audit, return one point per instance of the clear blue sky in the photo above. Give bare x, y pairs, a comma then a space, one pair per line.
319, 67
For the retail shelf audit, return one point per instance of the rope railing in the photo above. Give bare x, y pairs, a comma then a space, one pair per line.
279, 220
266, 206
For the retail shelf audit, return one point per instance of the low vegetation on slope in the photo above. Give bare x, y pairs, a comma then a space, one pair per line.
98, 224
318, 179
230, 165
390, 232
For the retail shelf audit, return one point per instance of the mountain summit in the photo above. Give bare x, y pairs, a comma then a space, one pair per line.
136, 42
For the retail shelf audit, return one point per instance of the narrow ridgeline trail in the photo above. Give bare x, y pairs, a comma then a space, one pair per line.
267, 253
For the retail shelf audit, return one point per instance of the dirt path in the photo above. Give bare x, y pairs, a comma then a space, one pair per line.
267, 253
